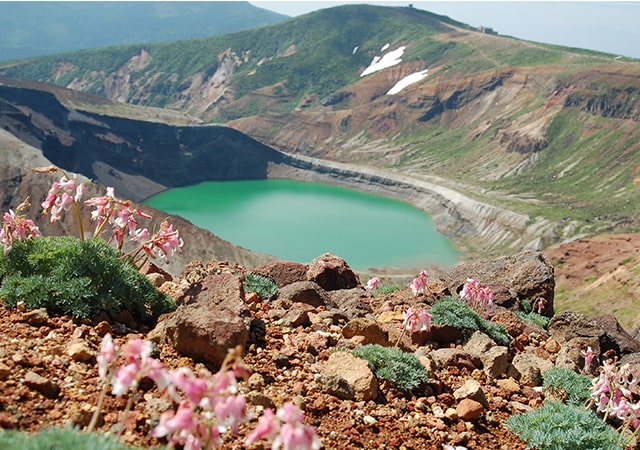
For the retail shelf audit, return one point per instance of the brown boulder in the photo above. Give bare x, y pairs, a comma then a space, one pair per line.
524, 276
469, 409
332, 273
370, 331
352, 302
306, 292
211, 319
283, 272
622, 340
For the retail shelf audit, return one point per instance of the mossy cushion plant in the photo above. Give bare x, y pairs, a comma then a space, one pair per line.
81, 278
564, 383
453, 311
261, 285
557, 426
391, 363
59, 439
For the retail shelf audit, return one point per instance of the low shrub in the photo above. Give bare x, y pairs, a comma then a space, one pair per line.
387, 289
565, 384
261, 285
59, 439
390, 363
535, 318
557, 426
81, 278
454, 312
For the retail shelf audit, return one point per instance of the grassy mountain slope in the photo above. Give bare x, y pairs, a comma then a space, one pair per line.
313, 53
41, 28
541, 130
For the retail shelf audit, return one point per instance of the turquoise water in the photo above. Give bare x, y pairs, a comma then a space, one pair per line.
298, 221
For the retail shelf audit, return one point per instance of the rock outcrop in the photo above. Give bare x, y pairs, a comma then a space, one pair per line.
141, 157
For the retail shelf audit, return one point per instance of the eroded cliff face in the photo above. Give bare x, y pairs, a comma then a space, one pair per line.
140, 158
364, 114
128, 155
477, 228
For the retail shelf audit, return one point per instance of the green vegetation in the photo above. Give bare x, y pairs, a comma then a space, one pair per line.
261, 285
58, 27
386, 289
557, 426
576, 178
315, 54
566, 384
83, 279
535, 318
453, 311
391, 363
59, 439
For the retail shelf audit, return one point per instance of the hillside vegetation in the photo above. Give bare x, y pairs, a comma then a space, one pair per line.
43, 28
547, 132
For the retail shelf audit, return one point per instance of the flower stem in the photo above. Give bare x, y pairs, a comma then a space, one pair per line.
123, 423
80, 226
103, 393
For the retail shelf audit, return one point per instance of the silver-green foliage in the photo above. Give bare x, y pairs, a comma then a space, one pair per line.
558, 426
390, 363
535, 318
79, 278
453, 311
59, 439
261, 285
567, 383
386, 289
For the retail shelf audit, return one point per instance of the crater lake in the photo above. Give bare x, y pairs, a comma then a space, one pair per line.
298, 221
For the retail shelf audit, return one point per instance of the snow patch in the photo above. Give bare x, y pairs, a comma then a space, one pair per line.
407, 81
382, 62
355, 49
386, 46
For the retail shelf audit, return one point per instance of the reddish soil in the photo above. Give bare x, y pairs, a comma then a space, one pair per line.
401, 421
599, 275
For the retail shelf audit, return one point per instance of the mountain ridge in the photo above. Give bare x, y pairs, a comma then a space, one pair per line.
33, 29
543, 131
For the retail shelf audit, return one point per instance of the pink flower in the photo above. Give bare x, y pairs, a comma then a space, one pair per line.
16, 228
164, 243
294, 434
230, 412
61, 196
125, 220
475, 295
195, 388
104, 206
138, 364
419, 284
108, 351
373, 283
80, 189
287, 429
416, 320
177, 426
298, 437
290, 413
267, 428
588, 359
125, 378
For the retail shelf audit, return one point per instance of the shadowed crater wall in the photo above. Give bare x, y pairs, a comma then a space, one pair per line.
138, 158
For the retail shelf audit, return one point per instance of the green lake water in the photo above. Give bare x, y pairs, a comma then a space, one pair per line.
298, 221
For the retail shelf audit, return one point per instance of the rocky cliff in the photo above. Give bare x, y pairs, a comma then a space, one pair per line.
140, 158
37, 130
511, 143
